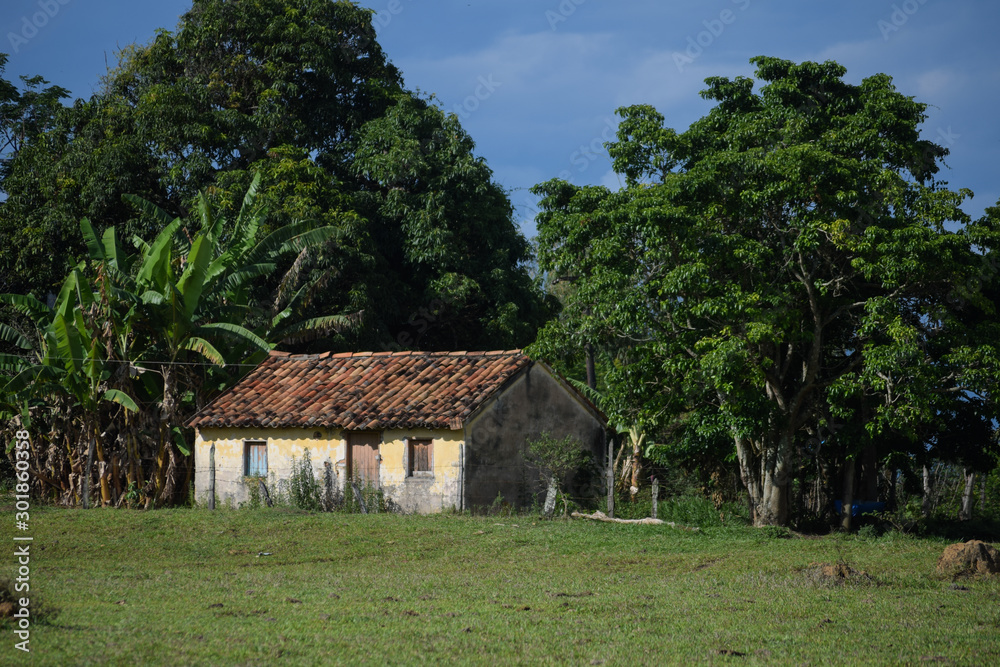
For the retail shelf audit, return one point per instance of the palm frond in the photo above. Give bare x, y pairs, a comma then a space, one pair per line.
205, 349
12, 335
318, 327
28, 305
235, 331
121, 398
151, 209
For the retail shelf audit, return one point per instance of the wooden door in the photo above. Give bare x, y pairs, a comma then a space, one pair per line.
363, 457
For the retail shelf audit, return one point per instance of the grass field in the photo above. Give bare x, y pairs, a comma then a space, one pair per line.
187, 587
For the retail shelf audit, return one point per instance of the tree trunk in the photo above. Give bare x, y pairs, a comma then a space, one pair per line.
86, 473
765, 470
102, 473
926, 504
159, 477
168, 476
847, 501
173, 472
550, 497
636, 466
965, 513
591, 371
982, 494
800, 493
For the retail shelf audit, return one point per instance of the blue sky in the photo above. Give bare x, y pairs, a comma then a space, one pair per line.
536, 82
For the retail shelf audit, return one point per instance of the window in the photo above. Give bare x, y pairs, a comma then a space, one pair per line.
255, 458
418, 456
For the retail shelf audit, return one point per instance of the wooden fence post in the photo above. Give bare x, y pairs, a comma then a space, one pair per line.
656, 494
86, 473
611, 476
211, 477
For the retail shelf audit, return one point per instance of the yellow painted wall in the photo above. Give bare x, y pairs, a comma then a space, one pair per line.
423, 494
432, 493
282, 444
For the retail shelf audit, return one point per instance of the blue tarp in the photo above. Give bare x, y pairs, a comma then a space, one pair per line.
861, 507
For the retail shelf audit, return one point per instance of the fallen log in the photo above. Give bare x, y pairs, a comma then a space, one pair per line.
601, 516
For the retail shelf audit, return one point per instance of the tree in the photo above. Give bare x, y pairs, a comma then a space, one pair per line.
438, 217
556, 461
25, 115
301, 93
783, 268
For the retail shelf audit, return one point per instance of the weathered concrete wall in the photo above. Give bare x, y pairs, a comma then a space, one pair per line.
424, 493
534, 403
282, 444
421, 493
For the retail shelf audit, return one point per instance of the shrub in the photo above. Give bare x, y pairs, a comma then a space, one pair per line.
303, 489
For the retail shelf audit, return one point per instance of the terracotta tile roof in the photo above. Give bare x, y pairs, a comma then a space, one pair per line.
364, 390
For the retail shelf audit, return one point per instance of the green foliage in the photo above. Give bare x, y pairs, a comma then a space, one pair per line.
554, 457
785, 273
686, 510
374, 499
136, 342
303, 490
300, 95
558, 462
439, 214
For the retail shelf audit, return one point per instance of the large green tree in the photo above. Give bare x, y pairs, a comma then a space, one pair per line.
301, 93
787, 270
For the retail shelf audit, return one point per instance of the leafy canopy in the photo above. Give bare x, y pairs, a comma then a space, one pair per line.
302, 94
788, 268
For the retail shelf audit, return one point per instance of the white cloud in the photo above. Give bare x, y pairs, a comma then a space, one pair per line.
537, 61
939, 84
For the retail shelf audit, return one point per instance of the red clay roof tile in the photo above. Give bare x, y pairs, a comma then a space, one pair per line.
364, 390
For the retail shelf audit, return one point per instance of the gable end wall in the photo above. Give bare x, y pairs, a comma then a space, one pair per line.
533, 403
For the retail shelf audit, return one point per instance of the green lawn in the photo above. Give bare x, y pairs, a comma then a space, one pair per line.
183, 587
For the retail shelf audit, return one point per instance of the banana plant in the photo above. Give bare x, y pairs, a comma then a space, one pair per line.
190, 298
69, 361
183, 307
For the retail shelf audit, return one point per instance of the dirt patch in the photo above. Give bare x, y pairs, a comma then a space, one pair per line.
837, 573
969, 559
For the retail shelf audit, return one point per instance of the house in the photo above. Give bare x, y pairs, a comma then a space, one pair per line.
433, 430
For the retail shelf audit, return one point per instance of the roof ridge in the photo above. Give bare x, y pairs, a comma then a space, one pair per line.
276, 354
